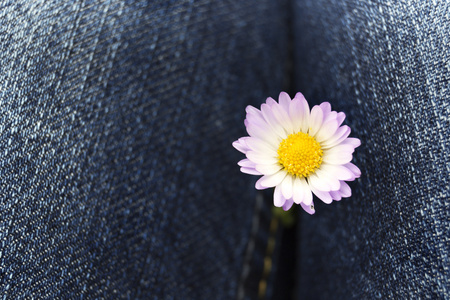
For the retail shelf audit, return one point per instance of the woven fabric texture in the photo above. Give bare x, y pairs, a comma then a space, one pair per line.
117, 175
386, 64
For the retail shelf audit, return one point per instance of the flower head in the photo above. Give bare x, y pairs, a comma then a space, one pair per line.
298, 151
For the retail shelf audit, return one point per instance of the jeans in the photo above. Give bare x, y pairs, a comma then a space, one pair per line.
386, 64
118, 179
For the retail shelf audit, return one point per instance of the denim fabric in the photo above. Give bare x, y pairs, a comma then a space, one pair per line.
386, 64
117, 178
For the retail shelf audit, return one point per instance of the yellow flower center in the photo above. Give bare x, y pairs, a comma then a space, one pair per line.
300, 154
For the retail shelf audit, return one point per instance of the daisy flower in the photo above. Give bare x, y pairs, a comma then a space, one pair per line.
298, 151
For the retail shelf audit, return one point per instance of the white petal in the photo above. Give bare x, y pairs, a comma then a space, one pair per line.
278, 199
287, 204
240, 146
250, 171
330, 180
324, 196
283, 118
258, 120
284, 101
297, 114
315, 121
307, 194
354, 169
337, 158
340, 117
261, 146
261, 159
252, 110
246, 163
265, 135
330, 116
305, 109
345, 190
352, 141
258, 186
338, 171
341, 148
270, 101
272, 180
327, 130
318, 183
336, 195
272, 121
309, 208
298, 193
268, 169
326, 108
286, 187
340, 135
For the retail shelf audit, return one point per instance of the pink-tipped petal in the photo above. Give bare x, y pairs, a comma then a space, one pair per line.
258, 121
345, 190
278, 199
261, 146
270, 101
246, 163
337, 158
327, 130
336, 195
316, 119
340, 117
272, 180
284, 101
296, 113
309, 208
265, 135
272, 121
261, 159
324, 196
288, 204
240, 147
341, 148
318, 183
268, 169
250, 171
354, 169
339, 172
340, 135
258, 185
305, 111
329, 179
283, 118
326, 108
252, 110
300, 96
352, 141
332, 115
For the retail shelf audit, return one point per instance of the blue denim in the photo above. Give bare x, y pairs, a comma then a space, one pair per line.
118, 179
117, 175
386, 64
